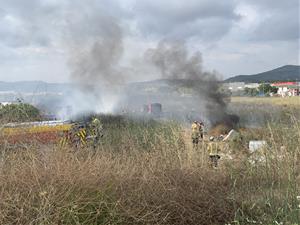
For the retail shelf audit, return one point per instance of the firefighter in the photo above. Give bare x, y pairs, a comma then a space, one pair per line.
82, 135
78, 136
96, 129
195, 133
75, 136
213, 150
201, 129
64, 138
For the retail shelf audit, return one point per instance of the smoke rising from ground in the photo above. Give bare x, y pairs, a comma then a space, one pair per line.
94, 59
174, 62
95, 46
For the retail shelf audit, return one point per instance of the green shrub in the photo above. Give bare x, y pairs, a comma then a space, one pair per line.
21, 112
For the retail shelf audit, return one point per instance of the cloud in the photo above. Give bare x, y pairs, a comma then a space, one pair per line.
179, 19
216, 28
25, 23
41, 23
278, 20
278, 27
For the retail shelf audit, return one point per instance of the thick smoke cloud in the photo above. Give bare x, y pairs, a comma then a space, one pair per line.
94, 59
176, 63
95, 46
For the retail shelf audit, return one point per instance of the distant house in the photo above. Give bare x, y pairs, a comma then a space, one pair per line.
234, 86
252, 85
287, 88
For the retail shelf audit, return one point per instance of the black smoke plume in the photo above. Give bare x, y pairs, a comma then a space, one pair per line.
176, 63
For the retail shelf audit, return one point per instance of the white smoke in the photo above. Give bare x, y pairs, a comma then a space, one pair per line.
94, 43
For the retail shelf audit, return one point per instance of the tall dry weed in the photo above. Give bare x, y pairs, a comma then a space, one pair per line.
150, 174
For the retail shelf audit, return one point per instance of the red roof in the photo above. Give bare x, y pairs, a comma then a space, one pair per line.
284, 83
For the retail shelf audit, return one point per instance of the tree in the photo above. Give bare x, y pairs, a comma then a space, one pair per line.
267, 89
251, 91
21, 112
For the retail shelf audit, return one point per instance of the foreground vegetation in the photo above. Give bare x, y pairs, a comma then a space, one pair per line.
147, 173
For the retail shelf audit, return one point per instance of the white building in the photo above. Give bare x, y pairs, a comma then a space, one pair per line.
234, 86
252, 85
287, 88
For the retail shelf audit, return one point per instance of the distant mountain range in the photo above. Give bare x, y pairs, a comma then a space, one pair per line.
284, 73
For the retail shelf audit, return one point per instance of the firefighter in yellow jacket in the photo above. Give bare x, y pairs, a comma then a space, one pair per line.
214, 150
78, 136
96, 132
75, 136
196, 133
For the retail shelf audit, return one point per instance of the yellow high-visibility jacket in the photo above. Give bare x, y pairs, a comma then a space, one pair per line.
96, 127
213, 148
195, 127
195, 131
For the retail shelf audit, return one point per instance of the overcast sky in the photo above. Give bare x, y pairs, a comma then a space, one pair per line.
234, 36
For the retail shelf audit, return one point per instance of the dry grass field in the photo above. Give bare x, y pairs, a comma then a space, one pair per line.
287, 101
146, 172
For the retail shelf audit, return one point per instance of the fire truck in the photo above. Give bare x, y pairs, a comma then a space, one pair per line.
44, 132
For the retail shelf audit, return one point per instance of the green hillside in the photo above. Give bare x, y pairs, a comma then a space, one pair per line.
284, 73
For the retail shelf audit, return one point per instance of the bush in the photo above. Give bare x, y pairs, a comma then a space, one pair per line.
251, 91
21, 112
